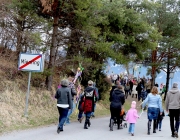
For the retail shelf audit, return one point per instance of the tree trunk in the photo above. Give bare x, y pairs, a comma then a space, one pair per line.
51, 65
153, 72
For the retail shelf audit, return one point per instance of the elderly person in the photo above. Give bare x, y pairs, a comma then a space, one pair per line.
154, 102
117, 100
64, 103
172, 106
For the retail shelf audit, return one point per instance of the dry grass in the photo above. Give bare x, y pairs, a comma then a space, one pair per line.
42, 108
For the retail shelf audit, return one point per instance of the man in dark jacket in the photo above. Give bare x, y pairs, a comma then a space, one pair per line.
173, 107
89, 98
117, 100
64, 103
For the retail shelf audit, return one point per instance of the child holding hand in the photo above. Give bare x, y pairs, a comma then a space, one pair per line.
131, 117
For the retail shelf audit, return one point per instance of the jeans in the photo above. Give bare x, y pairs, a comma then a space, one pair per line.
94, 110
131, 128
62, 116
88, 114
70, 112
80, 114
159, 124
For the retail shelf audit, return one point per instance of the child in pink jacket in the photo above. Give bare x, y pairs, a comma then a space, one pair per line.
131, 117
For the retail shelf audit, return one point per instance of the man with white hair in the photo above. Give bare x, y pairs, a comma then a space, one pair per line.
173, 107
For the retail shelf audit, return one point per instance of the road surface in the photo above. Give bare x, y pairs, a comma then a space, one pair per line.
99, 130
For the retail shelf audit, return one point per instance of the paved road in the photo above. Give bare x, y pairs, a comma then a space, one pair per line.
99, 130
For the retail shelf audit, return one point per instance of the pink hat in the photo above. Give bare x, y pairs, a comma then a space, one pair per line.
133, 104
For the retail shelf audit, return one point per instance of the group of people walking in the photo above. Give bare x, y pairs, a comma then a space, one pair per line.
118, 94
65, 102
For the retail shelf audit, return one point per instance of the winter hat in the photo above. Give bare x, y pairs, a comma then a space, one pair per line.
175, 85
65, 82
133, 104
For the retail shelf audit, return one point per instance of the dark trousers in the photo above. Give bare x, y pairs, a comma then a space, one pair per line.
174, 114
115, 113
139, 95
63, 112
126, 93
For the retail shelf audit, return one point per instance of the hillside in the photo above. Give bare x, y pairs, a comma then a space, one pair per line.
42, 105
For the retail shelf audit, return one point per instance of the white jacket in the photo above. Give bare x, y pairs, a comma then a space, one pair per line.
134, 89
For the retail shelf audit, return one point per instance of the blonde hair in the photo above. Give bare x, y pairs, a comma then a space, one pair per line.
154, 90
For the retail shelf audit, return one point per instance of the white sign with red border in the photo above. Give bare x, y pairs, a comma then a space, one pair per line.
31, 62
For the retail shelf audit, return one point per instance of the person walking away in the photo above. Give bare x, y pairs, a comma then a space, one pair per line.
172, 104
113, 87
139, 89
154, 102
117, 100
131, 87
81, 105
131, 118
143, 94
64, 103
126, 89
159, 120
163, 90
134, 91
148, 86
95, 99
73, 94
89, 96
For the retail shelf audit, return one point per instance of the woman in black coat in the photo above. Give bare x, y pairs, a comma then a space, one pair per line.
117, 99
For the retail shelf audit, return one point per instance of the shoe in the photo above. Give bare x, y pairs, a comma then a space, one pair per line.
132, 134
172, 136
92, 116
154, 131
176, 134
159, 129
58, 130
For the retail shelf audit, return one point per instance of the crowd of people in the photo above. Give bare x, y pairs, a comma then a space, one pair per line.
150, 97
122, 88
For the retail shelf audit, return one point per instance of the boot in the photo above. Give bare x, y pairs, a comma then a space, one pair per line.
111, 124
85, 124
132, 95
154, 126
149, 127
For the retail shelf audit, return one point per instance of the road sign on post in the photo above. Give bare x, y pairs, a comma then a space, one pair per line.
31, 63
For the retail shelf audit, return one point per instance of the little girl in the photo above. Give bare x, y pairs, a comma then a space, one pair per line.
159, 120
131, 117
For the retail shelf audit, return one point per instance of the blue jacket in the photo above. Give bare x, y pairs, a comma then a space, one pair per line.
153, 101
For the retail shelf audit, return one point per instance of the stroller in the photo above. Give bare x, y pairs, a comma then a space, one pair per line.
122, 118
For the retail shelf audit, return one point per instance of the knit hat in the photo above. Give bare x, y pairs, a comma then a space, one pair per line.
65, 82
133, 104
175, 85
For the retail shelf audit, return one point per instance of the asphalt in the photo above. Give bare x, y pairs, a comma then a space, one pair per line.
99, 130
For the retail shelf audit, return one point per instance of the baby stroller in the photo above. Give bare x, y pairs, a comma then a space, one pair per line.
122, 118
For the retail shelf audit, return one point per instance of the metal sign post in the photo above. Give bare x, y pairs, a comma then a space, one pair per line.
27, 95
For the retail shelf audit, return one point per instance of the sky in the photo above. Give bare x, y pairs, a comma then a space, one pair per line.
161, 78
